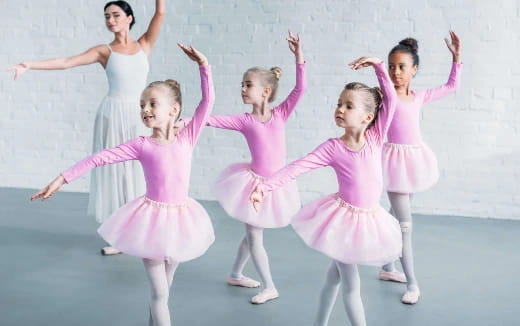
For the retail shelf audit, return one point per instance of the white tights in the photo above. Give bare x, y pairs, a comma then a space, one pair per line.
160, 275
402, 211
346, 276
253, 245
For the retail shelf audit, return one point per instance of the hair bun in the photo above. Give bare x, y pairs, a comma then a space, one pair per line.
411, 43
173, 83
277, 71
379, 95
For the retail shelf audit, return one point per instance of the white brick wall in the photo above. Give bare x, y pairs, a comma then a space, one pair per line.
48, 116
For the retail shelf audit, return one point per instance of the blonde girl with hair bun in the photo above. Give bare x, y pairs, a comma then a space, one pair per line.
264, 130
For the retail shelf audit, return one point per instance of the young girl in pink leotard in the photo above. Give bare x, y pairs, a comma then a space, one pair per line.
264, 130
409, 165
164, 227
349, 226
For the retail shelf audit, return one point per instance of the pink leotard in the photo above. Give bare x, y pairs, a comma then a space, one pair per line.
358, 172
266, 140
166, 167
405, 128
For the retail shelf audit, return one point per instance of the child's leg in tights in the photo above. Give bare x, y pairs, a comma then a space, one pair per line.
348, 276
241, 259
255, 240
351, 289
389, 272
390, 267
401, 206
160, 275
328, 295
237, 277
170, 271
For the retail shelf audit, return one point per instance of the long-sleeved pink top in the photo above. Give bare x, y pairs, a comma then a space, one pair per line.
359, 173
405, 127
166, 167
266, 140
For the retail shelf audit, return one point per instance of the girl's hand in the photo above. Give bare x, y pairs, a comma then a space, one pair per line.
364, 62
454, 46
181, 124
19, 69
295, 46
48, 191
256, 198
194, 55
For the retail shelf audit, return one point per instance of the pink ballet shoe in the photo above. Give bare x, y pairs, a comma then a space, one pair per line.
393, 276
412, 295
264, 296
243, 281
109, 251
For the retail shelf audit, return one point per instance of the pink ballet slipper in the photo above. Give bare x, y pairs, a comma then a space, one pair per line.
393, 276
243, 281
412, 295
109, 251
264, 296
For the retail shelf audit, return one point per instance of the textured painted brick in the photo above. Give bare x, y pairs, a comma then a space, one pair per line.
48, 116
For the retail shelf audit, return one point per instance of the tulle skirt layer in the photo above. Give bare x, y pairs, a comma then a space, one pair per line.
233, 188
160, 231
347, 233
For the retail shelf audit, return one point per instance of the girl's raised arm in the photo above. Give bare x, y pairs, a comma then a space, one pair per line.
453, 82
454, 46
289, 104
387, 110
200, 117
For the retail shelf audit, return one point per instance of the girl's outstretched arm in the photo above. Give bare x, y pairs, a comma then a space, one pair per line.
98, 54
50, 189
320, 157
124, 152
147, 40
230, 122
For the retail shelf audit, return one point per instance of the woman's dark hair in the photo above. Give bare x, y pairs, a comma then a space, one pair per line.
125, 7
408, 45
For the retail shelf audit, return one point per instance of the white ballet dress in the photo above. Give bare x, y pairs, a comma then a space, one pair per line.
117, 121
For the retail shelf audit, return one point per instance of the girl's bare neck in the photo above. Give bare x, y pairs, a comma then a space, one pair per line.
404, 93
354, 139
262, 111
164, 135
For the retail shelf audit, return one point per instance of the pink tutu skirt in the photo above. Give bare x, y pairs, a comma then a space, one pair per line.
233, 188
409, 168
347, 233
159, 231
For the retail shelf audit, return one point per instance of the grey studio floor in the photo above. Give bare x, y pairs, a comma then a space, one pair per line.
51, 273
